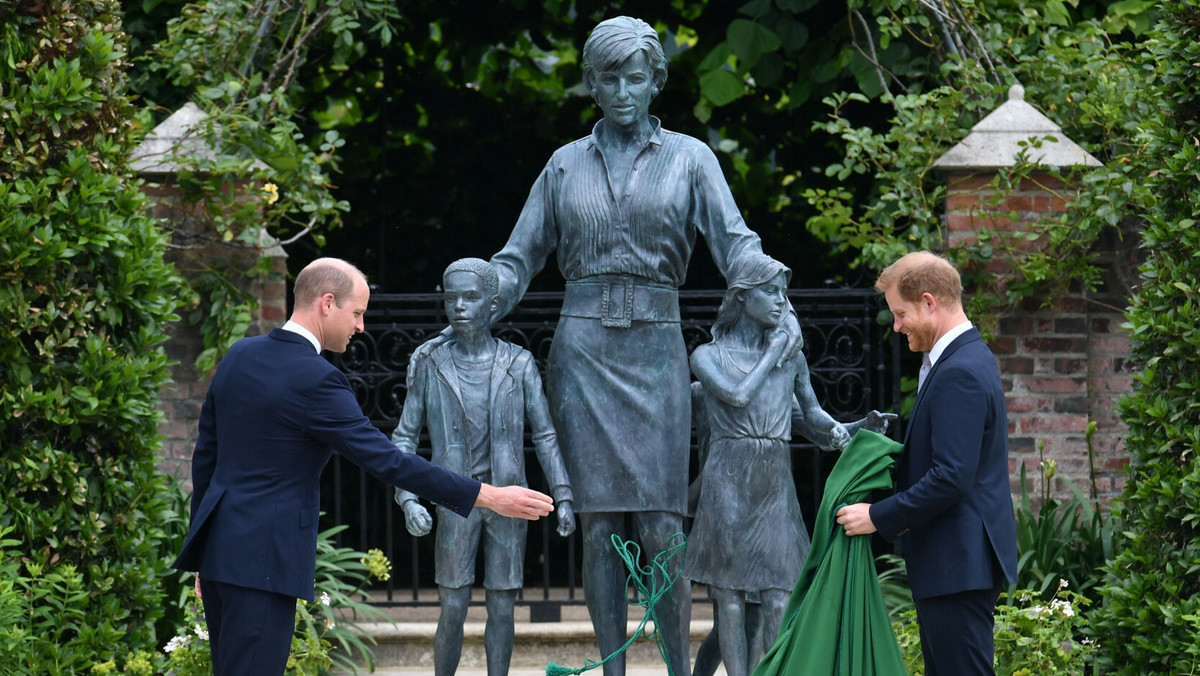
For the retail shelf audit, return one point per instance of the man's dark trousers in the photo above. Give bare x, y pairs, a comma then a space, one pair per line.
960, 640
249, 630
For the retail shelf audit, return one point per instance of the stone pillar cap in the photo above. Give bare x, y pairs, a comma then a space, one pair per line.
996, 141
175, 144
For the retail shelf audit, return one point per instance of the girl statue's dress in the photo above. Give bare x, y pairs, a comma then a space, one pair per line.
748, 532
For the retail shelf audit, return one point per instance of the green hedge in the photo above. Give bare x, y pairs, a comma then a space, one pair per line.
85, 298
1149, 619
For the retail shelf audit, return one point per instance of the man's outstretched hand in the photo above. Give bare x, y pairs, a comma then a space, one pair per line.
514, 501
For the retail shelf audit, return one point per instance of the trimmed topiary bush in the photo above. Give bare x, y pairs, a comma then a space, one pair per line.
85, 298
1149, 619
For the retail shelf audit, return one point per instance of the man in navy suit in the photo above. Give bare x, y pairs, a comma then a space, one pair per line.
275, 412
952, 511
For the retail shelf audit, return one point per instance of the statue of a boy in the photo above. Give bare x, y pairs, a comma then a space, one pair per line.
474, 393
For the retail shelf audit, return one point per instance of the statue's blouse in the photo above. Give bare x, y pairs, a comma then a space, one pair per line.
675, 189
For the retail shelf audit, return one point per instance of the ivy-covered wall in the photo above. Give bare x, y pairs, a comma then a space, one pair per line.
194, 249
1064, 358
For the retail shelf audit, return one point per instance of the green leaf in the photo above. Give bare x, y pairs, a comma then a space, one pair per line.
792, 34
1056, 13
721, 87
749, 40
716, 58
755, 8
769, 70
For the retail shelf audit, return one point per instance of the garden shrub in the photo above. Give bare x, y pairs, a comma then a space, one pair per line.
326, 640
85, 297
1152, 588
1061, 539
1033, 636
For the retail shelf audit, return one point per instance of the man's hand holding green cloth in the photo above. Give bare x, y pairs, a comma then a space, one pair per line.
836, 622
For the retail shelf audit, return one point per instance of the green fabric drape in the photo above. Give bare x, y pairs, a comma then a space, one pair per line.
836, 622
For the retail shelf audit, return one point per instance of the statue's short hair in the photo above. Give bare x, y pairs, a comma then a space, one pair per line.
922, 272
326, 275
614, 40
485, 270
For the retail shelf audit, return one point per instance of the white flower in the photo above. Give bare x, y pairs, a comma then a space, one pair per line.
329, 624
1062, 584
175, 643
201, 631
1063, 607
325, 598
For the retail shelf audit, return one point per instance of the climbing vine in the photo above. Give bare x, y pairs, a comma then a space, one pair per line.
1079, 71
266, 179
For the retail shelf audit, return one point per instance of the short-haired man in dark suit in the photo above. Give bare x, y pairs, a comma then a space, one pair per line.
952, 510
275, 412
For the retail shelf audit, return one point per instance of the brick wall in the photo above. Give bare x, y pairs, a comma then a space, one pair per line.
1064, 363
1065, 366
192, 247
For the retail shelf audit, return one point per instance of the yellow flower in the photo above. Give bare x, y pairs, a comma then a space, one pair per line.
271, 192
377, 564
140, 664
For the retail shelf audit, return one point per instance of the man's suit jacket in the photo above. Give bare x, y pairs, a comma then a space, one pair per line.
952, 509
274, 413
515, 395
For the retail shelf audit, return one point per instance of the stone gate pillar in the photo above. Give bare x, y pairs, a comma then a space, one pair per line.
172, 146
1064, 362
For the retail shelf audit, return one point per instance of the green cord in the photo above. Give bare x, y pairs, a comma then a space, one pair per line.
648, 597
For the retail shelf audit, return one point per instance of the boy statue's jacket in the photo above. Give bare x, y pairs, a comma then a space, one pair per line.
516, 394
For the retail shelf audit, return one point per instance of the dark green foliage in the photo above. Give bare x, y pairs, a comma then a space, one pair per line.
39, 607
1080, 64
1152, 591
176, 585
85, 298
447, 125
1062, 540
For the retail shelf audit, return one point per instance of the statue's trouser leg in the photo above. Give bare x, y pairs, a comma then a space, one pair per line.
774, 602
604, 584
731, 620
448, 641
708, 655
499, 636
674, 610
754, 633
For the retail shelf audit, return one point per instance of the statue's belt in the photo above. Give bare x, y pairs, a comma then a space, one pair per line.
617, 301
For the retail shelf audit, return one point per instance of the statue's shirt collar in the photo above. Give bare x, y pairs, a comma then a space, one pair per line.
601, 132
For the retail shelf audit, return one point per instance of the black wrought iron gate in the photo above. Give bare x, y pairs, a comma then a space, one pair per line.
854, 362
